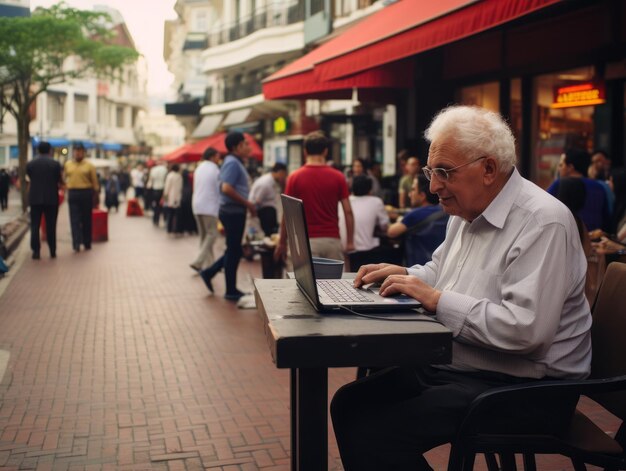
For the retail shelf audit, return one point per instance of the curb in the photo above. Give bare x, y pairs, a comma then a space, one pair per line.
11, 235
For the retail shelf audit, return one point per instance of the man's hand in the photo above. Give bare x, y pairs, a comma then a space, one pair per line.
606, 246
413, 287
373, 273
280, 252
251, 208
349, 247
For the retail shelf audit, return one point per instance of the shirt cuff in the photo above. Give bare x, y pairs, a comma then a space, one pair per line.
414, 271
452, 310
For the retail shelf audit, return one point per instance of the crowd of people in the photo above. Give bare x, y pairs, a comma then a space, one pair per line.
510, 268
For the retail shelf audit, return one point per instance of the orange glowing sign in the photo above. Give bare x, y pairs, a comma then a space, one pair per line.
584, 94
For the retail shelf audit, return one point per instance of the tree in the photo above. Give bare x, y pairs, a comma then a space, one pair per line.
34, 53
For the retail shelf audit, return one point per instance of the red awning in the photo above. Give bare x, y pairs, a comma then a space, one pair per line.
178, 156
193, 152
395, 33
305, 84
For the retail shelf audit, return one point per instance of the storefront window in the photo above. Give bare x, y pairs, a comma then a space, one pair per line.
559, 125
486, 95
337, 134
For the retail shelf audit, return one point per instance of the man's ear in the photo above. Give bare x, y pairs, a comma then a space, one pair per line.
491, 170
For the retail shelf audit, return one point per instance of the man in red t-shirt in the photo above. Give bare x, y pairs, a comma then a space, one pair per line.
321, 188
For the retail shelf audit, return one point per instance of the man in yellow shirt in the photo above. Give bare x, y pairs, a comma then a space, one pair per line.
82, 185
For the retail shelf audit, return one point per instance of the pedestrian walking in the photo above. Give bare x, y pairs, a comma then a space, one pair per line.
205, 203
185, 222
172, 194
45, 178
156, 183
5, 184
234, 187
111, 192
83, 189
137, 176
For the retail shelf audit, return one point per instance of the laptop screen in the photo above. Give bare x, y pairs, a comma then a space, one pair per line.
298, 239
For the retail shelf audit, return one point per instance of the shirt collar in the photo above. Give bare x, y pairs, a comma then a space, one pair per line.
498, 210
235, 156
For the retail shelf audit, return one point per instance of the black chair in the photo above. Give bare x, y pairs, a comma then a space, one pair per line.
583, 441
387, 252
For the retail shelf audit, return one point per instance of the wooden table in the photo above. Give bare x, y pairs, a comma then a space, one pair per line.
309, 343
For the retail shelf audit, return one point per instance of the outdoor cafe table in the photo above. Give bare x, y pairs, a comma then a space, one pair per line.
309, 343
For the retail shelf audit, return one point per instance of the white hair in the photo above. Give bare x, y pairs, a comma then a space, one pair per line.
475, 132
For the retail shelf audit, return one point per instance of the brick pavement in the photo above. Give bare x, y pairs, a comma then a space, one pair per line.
14, 208
120, 361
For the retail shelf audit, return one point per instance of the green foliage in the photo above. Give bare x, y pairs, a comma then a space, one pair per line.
52, 46
35, 49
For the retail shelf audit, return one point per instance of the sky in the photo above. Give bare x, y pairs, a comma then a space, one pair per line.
144, 20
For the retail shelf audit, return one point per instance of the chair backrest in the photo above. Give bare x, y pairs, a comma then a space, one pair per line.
382, 254
608, 335
420, 242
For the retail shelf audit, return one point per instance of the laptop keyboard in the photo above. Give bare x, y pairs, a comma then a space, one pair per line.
342, 291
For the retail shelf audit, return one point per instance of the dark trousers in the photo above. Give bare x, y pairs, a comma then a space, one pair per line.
80, 203
49, 212
268, 219
387, 420
234, 225
4, 200
171, 217
155, 204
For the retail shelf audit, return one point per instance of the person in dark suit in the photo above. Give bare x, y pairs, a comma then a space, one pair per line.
45, 179
5, 183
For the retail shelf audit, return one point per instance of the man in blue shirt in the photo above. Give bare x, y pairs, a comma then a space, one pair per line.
595, 213
234, 203
424, 226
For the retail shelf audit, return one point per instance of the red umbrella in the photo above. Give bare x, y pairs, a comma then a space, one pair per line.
193, 152
180, 155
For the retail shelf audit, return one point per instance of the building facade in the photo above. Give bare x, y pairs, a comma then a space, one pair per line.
101, 113
554, 68
243, 43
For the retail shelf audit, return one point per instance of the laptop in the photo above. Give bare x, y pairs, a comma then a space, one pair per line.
330, 295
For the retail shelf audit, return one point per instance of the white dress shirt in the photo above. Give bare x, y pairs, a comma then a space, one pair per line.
513, 287
156, 177
206, 189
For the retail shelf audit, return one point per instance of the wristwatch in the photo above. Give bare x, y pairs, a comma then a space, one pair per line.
621, 252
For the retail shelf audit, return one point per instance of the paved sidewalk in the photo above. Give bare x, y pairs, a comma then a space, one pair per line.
14, 209
119, 360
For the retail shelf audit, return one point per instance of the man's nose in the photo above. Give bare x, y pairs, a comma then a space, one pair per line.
435, 184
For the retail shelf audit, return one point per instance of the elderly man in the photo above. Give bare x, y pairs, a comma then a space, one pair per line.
508, 281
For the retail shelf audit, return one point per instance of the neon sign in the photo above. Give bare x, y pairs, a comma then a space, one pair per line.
584, 94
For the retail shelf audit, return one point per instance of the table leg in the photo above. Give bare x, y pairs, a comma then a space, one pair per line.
309, 419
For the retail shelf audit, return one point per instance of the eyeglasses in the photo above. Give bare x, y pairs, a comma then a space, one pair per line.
443, 174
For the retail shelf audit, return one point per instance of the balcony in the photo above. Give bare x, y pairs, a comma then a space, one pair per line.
261, 19
239, 92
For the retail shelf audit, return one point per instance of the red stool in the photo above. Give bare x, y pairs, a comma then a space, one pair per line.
133, 208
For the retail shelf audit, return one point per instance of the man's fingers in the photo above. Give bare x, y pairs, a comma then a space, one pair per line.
358, 279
